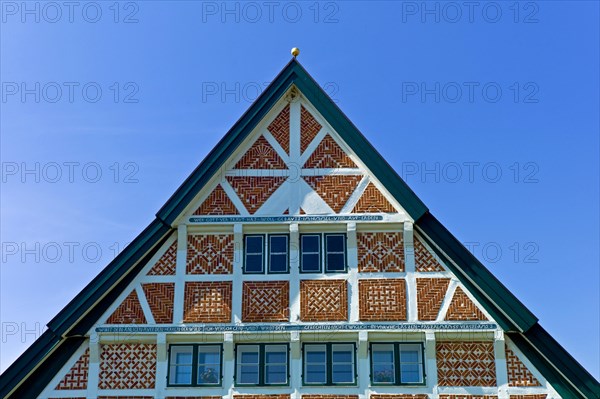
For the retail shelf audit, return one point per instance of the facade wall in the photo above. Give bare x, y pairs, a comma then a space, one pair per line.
199, 291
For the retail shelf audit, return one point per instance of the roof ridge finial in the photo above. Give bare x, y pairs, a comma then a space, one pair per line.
295, 52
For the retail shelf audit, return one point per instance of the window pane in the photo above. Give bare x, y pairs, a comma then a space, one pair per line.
209, 354
276, 374
249, 357
254, 244
336, 262
254, 263
315, 357
181, 374
410, 373
334, 243
183, 357
383, 373
311, 263
385, 356
276, 357
342, 373
310, 243
342, 356
209, 374
315, 374
278, 263
248, 375
278, 244
410, 353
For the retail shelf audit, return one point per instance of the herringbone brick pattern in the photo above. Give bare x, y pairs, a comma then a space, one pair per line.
210, 254
261, 155
334, 189
424, 260
537, 396
462, 308
266, 301
373, 201
280, 129
165, 266
160, 297
217, 203
328, 154
207, 302
127, 366
323, 300
380, 252
399, 396
129, 311
468, 397
430, 295
309, 128
518, 374
382, 299
253, 190
77, 376
466, 364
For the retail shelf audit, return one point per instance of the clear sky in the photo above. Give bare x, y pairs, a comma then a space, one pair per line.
489, 111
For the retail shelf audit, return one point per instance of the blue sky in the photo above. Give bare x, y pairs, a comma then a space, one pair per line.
490, 114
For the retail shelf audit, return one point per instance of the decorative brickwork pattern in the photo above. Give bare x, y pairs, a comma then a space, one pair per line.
462, 308
160, 297
207, 302
382, 299
309, 128
373, 201
253, 190
329, 154
518, 374
165, 266
261, 156
380, 252
280, 129
538, 396
466, 364
264, 301
424, 260
277, 396
323, 300
127, 366
217, 203
129, 311
210, 254
430, 295
334, 189
399, 396
468, 397
77, 377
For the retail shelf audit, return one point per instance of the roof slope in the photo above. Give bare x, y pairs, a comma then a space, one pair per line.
46, 355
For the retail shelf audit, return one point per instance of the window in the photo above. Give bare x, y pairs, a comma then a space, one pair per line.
261, 364
333, 246
329, 364
396, 364
195, 365
335, 253
310, 249
277, 253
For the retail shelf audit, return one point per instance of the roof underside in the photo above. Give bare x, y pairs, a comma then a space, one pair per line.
66, 331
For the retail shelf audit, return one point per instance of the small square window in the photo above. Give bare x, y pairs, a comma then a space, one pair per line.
262, 364
254, 254
194, 365
329, 364
310, 253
